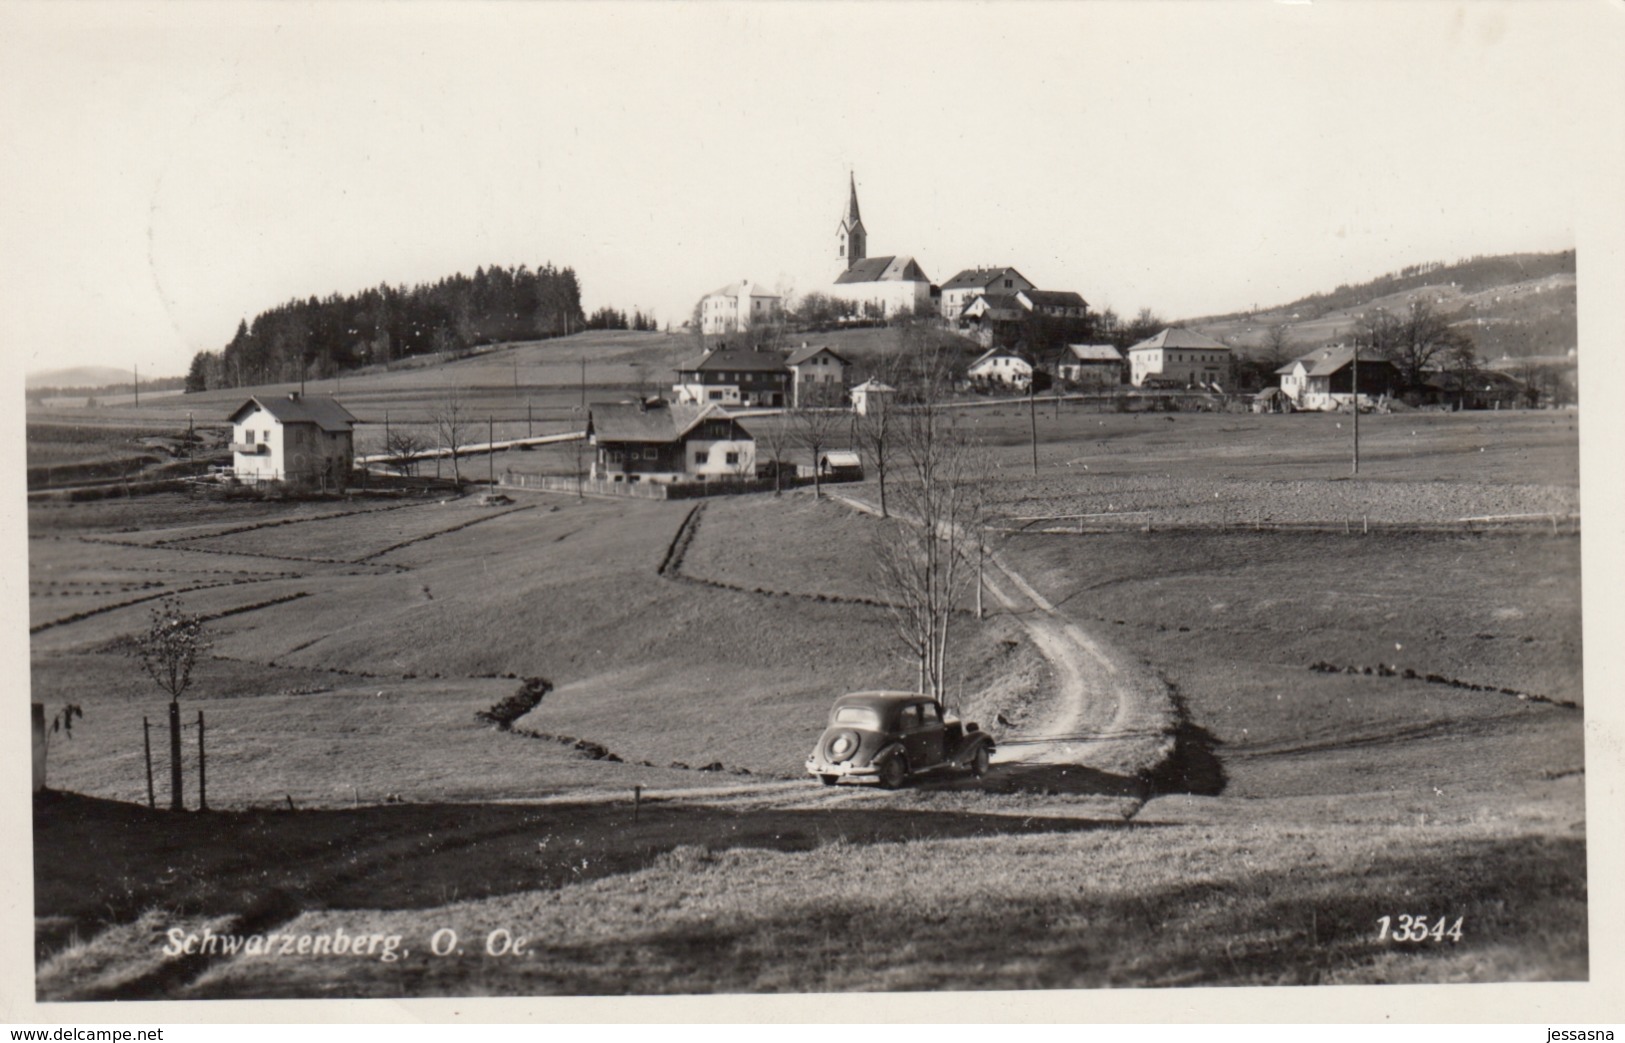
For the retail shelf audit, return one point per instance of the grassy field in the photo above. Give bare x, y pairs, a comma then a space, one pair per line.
353, 642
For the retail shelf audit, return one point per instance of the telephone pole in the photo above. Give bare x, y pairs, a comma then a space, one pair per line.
1356, 401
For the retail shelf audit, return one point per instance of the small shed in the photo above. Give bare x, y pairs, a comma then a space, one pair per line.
841, 464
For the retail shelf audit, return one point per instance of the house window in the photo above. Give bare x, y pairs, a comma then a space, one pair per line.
715, 396
700, 456
650, 453
1008, 283
732, 458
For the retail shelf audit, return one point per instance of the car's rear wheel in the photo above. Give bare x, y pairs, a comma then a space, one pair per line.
894, 772
829, 780
978, 764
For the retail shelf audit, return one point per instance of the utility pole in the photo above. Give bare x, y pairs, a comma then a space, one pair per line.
528, 432
1032, 415
1356, 401
583, 382
491, 451
137, 386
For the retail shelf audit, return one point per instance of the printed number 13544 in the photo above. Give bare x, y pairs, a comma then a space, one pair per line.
1418, 929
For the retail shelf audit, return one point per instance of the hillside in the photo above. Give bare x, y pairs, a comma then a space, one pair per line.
77, 377
1515, 305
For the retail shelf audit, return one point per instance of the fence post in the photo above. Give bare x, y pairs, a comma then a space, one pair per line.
146, 740
202, 788
175, 801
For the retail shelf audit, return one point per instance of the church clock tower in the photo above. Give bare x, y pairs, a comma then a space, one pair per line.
851, 237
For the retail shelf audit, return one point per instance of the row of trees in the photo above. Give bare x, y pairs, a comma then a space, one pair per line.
324, 337
608, 318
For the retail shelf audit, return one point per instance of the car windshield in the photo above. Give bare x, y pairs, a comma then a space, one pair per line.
862, 716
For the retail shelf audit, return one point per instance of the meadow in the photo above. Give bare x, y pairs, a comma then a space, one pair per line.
1388, 716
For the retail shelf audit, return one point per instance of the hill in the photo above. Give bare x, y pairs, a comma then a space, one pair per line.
77, 377
1513, 305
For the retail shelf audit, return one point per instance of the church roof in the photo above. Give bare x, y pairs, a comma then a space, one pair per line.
852, 216
883, 269
1179, 337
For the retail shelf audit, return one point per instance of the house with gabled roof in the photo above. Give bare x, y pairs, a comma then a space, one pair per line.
1004, 366
1178, 357
817, 376
1057, 304
296, 438
972, 283
1092, 365
737, 307
742, 377
653, 440
1324, 378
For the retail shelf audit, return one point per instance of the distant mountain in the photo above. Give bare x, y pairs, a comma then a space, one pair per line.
1513, 305
77, 377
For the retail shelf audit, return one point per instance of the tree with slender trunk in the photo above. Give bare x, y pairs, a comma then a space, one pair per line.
168, 651
814, 430
452, 421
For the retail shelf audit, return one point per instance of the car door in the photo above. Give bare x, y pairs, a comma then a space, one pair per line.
923, 735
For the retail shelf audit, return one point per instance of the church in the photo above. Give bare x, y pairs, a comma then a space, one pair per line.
883, 287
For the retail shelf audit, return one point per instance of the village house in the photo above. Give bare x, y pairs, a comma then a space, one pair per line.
741, 377
1480, 389
737, 307
882, 287
872, 397
1324, 379
1055, 304
658, 441
1178, 357
296, 438
1091, 365
1002, 366
817, 377
958, 292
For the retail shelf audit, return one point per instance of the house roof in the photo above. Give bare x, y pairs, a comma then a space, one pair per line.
873, 386
901, 268
1325, 361
807, 351
980, 277
852, 217
1095, 352
1179, 337
841, 458
1006, 305
664, 422
1055, 299
322, 410
745, 360
734, 289
994, 353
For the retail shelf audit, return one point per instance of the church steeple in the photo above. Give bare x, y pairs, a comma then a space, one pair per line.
852, 239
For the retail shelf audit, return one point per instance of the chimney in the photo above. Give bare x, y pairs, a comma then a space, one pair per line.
293, 396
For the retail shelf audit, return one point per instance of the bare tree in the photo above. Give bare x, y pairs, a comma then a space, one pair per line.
923, 552
403, 449
775, 434
1412, 342
815, 431
452, 422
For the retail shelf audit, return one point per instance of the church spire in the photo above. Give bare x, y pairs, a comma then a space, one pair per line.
851, 238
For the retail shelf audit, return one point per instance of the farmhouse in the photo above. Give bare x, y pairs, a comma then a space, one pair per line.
1480, 389
817, 376
298, 438
1056, 304
660, 441
1179, 357
999, 366
882, 286
737, 307
1324, 379
734, 377
972, 283
1091, 365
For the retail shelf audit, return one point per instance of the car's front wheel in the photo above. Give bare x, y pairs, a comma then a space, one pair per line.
978, 764
894, 772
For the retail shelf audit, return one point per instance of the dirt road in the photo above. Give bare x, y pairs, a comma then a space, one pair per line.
1107, 712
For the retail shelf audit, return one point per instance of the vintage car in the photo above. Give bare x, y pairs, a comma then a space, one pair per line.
887, 737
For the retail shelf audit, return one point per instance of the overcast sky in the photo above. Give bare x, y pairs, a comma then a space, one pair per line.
174, 168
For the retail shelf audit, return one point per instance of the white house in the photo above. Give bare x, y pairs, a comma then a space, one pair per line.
974, 282
1324, 379
297, 438
1001, 366
1179, 357
817, 376
659, 441
870, 398
736, 307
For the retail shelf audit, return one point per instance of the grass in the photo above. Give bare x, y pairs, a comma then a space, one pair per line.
816, 900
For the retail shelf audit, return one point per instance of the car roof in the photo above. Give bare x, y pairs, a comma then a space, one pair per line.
880, 699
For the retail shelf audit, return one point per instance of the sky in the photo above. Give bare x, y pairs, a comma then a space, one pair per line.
177, 167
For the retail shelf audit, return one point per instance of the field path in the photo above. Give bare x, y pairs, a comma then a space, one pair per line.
1107, 712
